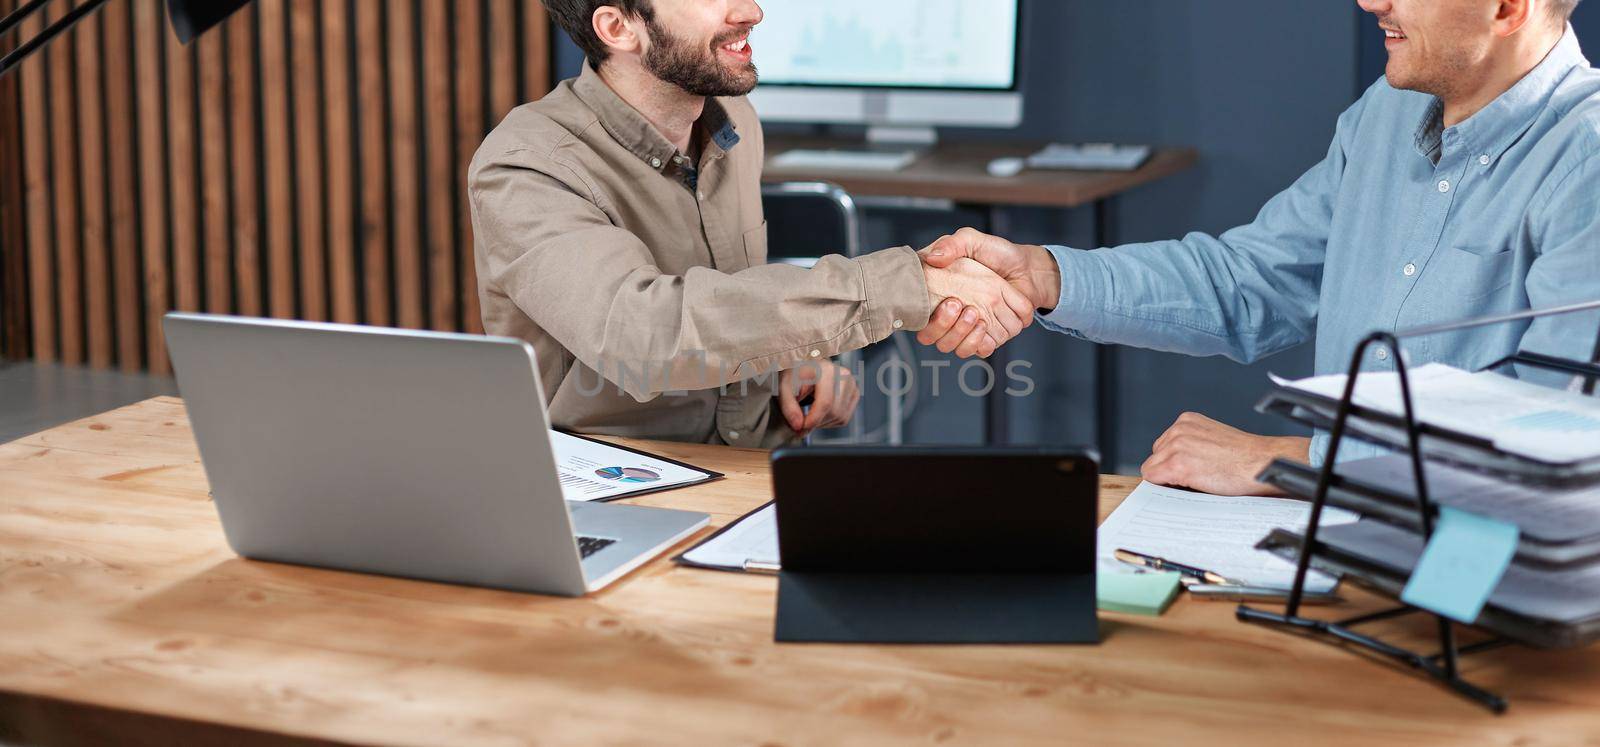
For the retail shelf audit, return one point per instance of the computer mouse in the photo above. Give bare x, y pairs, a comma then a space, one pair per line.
1004, 167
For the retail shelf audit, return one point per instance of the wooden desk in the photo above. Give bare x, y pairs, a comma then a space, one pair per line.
959, 172
125, 619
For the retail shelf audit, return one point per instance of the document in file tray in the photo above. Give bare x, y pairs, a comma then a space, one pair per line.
1213, 533
1518, 417
1561, 595
593, 471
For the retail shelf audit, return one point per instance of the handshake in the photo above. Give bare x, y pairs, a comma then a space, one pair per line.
985, 290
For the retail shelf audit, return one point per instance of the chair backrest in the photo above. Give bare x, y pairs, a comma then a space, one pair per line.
807, 220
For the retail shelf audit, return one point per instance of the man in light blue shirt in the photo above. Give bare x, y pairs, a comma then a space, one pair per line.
1465, 183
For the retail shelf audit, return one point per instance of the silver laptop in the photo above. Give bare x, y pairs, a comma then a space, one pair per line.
415, 454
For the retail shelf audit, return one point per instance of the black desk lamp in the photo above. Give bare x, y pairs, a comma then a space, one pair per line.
190, 18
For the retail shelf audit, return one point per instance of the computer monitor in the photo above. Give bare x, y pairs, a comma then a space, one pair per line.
890, 63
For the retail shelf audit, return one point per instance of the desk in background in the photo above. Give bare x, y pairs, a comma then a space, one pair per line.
958, 172
125, 619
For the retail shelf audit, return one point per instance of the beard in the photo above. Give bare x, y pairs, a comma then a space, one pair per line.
697, 71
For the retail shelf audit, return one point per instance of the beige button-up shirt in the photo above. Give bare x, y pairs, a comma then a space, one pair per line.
640, 276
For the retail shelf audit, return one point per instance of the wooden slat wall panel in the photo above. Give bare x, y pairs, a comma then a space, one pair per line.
216, 214
374, 158
439, 148
183, 169
64, 181
305, 160
306, 77
405, 151
37, 200
340, 162
14, 330
470, 94
154, 223
92, 195
277, 150
123, 165
245, 129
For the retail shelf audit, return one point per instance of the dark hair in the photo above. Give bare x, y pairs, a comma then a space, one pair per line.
576, 17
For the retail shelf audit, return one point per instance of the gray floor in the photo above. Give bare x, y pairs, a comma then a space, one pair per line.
37, 396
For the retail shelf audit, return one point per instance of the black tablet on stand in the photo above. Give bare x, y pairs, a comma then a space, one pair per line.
936, 545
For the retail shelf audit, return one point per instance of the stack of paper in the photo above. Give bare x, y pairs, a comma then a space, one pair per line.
1516, 416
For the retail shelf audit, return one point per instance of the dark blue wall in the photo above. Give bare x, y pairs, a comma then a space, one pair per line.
1256, 85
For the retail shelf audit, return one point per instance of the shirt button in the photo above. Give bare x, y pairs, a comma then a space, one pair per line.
733, 434
816, 354
1383, 354
1410, 270
700, 195
1484, 159
899, 323
1444, 186
655, 163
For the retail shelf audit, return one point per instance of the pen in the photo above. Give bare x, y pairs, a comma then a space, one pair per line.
761, 566
1160, 564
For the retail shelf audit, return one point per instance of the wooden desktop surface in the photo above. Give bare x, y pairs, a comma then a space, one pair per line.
959, 172
125, 619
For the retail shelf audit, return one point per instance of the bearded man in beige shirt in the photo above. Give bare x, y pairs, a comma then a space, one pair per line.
619, 230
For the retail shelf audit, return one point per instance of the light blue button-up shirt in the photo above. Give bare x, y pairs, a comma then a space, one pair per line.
1404, 223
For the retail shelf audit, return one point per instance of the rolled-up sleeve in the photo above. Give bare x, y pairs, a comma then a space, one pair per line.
545, 240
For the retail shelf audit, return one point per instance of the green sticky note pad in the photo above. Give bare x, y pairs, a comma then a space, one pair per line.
1461, 565
1136, 593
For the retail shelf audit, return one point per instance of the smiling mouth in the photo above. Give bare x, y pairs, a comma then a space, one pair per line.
1396, 34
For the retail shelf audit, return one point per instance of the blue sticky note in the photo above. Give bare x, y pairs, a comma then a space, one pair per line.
1461, 565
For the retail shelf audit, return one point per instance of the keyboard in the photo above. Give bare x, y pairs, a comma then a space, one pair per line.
1093, 157
590, 545
845, 160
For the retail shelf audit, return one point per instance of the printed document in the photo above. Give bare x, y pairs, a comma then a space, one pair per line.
752, 538
1213, 533
594, 471
1518, 417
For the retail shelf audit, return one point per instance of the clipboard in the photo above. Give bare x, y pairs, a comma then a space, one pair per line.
750, 565
646, 489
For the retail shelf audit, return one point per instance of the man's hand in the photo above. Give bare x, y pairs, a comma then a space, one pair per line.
1029, 269
1201, 454
995, 311
833, 392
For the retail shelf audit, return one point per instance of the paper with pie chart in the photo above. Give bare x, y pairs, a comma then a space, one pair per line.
595, 471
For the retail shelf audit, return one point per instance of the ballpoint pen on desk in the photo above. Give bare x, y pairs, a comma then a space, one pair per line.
1161, 564
1205, 585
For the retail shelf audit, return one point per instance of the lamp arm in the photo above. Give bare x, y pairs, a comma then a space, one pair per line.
52, 31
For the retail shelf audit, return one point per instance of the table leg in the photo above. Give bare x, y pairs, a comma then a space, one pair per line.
1107, 376
997, 406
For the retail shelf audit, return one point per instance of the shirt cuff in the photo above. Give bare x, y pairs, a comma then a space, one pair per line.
1085, 294
895, 290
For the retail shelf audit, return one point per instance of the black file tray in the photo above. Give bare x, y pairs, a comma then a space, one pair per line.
1400, 509
1418, 441
1512, 626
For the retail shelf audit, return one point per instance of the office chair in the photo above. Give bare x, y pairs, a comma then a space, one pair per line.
805, 221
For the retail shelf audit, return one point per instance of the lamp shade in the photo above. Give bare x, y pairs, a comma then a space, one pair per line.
191, 18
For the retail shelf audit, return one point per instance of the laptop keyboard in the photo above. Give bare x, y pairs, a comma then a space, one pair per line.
590, 545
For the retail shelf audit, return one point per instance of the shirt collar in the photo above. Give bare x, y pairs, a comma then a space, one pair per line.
628, 127
1493, 130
